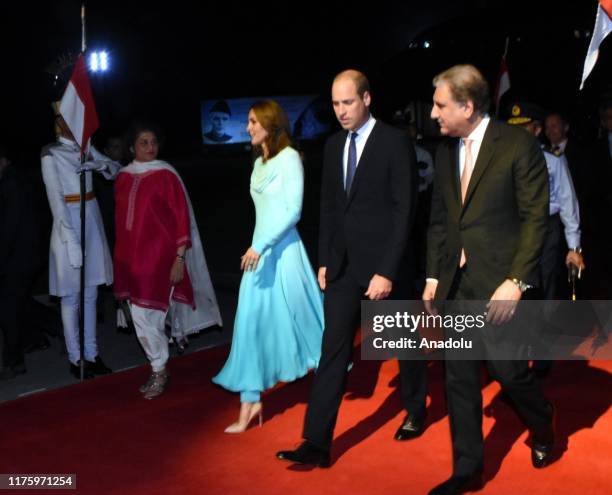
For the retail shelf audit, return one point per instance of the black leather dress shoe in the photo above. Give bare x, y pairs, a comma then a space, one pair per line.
456, 485
97, 367
540, 454
75, 370
307, 453
542, 446
412, 427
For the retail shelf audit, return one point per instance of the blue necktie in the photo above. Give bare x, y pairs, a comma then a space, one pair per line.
351, 164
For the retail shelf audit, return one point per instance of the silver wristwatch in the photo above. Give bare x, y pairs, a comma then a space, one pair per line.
520, 284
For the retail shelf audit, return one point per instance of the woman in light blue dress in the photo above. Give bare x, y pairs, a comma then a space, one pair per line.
279, 320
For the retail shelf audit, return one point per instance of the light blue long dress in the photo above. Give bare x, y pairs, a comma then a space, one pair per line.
279, 320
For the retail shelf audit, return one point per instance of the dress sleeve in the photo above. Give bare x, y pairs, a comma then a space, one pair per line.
292, 173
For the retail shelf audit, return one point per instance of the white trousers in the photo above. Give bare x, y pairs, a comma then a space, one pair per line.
150, 329
70, 321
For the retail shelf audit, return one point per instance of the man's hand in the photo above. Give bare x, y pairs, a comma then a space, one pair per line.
429, 292
249, 260
321, 277
503, 303
379, 288
576, 259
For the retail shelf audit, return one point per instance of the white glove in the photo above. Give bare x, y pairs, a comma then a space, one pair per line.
75, 257
97, 166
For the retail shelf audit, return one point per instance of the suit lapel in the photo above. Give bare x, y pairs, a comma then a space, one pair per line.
364, 161
339, 153
485, 155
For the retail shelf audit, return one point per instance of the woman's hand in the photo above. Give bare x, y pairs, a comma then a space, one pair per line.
177, 272
249, 260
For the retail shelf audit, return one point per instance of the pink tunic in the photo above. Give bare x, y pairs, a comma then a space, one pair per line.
152, 222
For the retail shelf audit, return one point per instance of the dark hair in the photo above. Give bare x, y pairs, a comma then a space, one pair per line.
221, 106
137, 128
3, 151
466, 83
274, 120
559, 113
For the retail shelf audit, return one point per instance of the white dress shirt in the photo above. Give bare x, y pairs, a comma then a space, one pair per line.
476, 136
363, 133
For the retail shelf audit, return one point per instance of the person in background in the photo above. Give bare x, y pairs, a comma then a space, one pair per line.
159, 262
563, 212
20, 249
580, 162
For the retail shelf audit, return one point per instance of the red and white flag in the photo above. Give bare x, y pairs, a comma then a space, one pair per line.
503, 82
78, 107
603, 26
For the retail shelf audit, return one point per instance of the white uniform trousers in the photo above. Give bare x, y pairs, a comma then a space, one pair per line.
70, 320
150, 329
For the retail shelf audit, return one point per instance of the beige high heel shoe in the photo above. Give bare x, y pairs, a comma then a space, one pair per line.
254, 409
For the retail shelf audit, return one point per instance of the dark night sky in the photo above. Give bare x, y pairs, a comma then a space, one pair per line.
167, 57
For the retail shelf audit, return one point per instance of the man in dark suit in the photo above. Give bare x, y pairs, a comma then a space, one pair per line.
488, 224
368, 195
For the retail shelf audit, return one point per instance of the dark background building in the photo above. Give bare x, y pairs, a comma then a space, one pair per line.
167, 57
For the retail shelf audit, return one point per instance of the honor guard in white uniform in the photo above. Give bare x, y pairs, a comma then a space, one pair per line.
61, 167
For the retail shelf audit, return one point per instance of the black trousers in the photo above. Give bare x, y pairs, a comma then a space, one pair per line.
464, 397
14, 295
342, 307
552, 260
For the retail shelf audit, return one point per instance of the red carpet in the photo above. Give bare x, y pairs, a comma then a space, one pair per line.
118, 443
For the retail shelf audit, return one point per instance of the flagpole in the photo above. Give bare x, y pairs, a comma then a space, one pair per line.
83, 43
497, 89
83, 237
